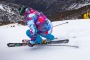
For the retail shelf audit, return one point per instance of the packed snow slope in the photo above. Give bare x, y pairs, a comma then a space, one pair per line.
77, 31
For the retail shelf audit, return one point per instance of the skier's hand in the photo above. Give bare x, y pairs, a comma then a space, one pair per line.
31, 45
32, 42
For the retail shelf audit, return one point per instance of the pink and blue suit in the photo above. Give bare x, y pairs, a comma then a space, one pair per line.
39, 26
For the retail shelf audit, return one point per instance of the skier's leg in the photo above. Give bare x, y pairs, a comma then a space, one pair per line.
49, 37
38, 39
28, 33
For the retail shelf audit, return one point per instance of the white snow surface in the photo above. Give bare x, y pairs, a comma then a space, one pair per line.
77, 6
77, 31
1, 7
6, 8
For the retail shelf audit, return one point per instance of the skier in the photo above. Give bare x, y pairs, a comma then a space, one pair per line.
40, 26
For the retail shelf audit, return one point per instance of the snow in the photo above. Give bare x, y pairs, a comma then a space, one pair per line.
6, 8
1, 7
77, 6
77, 31
82, 5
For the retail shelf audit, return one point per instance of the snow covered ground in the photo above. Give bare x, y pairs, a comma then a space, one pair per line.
77, 31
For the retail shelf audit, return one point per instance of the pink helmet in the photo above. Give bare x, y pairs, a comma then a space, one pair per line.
32, 10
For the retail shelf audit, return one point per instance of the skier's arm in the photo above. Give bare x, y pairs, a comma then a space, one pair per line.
33, 29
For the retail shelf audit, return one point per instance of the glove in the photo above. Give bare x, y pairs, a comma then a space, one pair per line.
31, 44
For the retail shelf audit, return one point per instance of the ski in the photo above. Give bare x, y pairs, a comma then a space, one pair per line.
48, 42
45, 43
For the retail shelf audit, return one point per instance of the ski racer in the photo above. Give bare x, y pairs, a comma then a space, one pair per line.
39, 25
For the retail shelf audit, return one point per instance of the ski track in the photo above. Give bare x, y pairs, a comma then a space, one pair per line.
77, 31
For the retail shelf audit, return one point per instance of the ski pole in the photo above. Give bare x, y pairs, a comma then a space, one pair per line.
74, 46
60, 24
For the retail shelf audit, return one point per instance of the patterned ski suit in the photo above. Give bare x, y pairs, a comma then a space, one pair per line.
38, 24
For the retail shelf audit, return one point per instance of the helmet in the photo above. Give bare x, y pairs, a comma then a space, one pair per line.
32, 10
22, 10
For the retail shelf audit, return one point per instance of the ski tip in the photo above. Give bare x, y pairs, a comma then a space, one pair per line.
77, 47
8, 44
